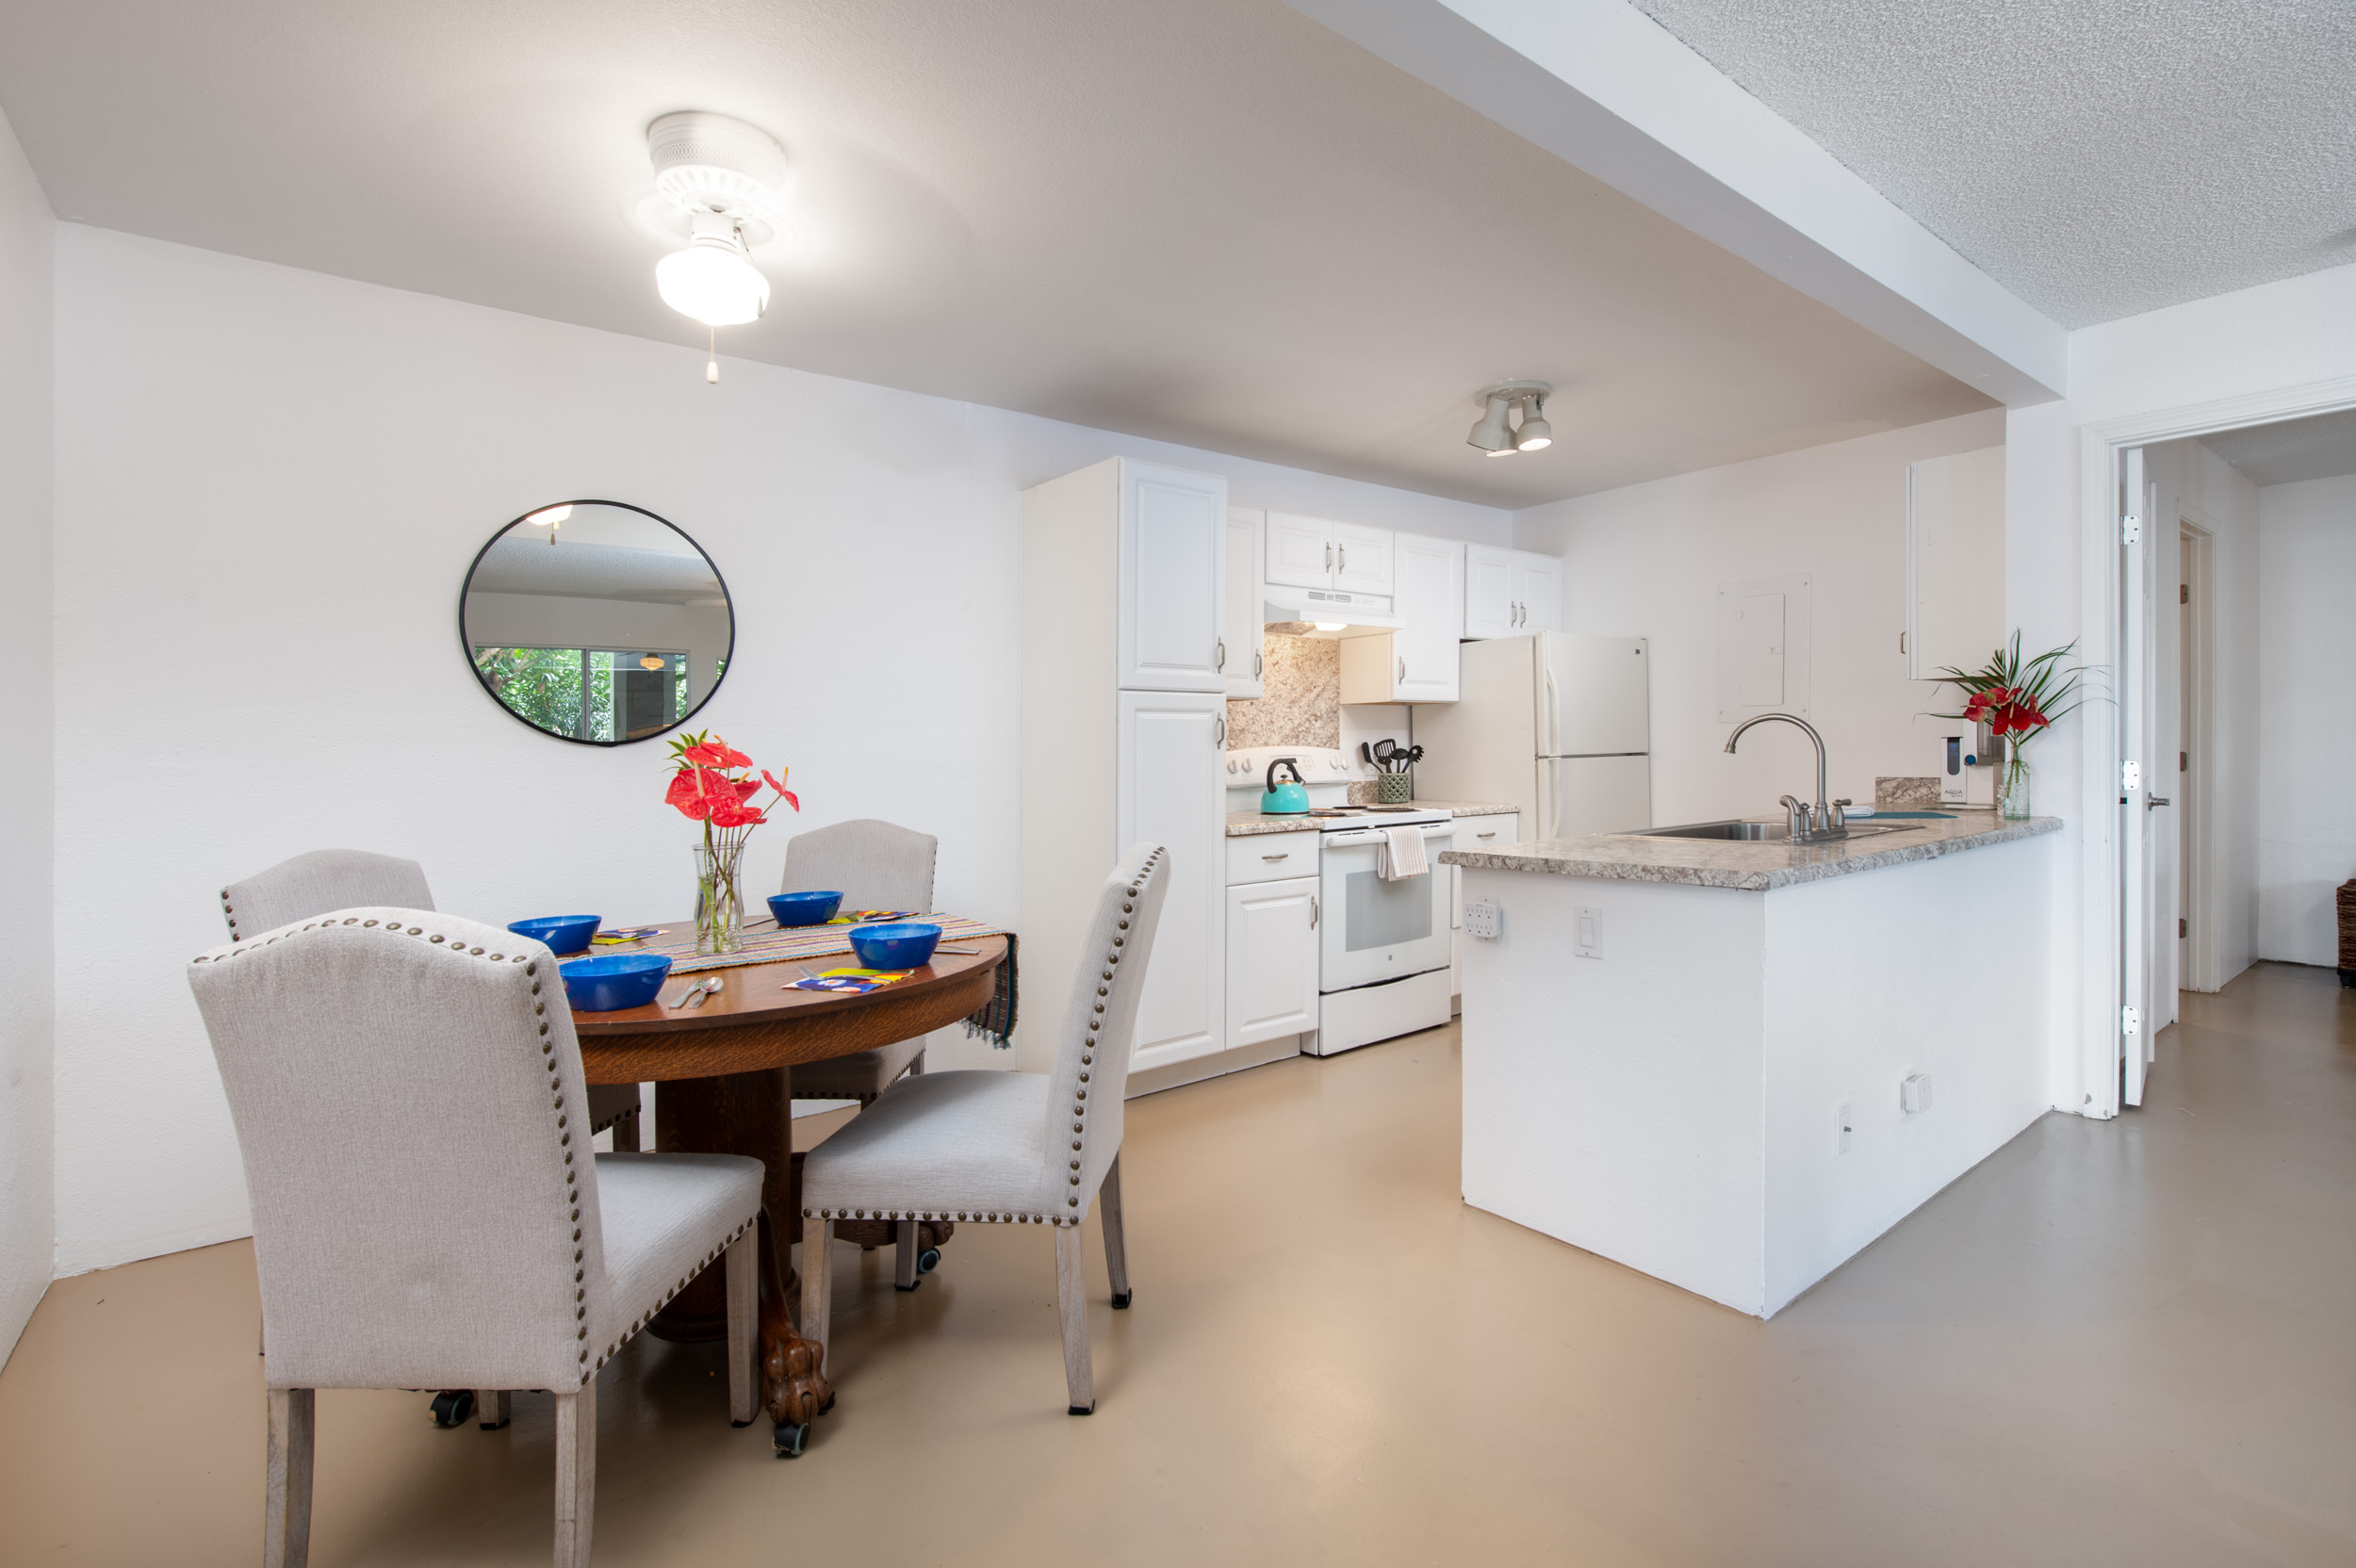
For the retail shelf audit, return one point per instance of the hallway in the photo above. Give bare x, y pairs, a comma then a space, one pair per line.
2127, 1343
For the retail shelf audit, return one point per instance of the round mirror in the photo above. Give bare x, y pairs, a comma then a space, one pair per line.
597, 621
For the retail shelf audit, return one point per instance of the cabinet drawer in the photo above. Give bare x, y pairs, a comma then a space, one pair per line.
1272, 857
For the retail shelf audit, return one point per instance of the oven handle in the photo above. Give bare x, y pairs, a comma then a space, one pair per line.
1374, 835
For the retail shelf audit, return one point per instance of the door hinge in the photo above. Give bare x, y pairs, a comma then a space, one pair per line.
2184, 593
2184, 927
2131, 530
2131, 776
2130, 1021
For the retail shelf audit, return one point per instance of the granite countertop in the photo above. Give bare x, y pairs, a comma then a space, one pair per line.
1751, 867
1242, 825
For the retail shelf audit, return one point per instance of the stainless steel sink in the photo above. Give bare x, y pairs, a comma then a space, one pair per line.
1756, 832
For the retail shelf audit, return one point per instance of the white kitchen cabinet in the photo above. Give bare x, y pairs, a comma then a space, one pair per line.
1239, 644
1510, 592
1170, 790
1419, 662
1316, 552
1272, 857
1954, 561
1271, 961
1173, 578
1493, 832
1363, 559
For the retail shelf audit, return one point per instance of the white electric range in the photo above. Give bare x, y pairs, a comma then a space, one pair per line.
1383, 944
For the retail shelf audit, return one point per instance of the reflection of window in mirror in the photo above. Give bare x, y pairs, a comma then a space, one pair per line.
611, 628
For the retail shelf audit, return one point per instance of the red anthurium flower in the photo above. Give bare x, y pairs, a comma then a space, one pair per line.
685, 794
729, 813
717, 753
783, 794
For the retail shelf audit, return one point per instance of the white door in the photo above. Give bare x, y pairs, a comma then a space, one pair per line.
1489, 592
1430, 598
2135, 1026
1538, 591
1579, 796
2163, 540
1271, 961
1170, 792
1300, 551
1361, 559
1240, 646
1173, 578
1595, 695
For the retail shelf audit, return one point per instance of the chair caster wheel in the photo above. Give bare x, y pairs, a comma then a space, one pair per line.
451, 1407
1121, 1302
789, 1438
929, 1260
1082, 1409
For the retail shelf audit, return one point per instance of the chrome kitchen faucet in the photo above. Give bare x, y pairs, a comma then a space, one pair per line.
1808, 826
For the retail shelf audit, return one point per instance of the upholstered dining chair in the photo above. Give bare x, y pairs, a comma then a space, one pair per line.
324, 879
874, 865
514, 1260
1010, 1148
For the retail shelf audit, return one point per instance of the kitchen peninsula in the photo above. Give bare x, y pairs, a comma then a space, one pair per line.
1732, 1065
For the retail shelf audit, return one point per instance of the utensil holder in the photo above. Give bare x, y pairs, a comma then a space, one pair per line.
1394, 789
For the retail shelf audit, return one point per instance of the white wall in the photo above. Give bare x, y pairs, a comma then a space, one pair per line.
1647, 561
2254, 344
2307, 715
270, 483
27, 248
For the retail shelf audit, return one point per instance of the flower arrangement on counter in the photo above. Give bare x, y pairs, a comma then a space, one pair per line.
713, 783
2017, 699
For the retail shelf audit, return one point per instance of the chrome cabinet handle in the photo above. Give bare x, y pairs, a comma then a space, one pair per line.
1403, 672
1485, 835
1218, 657
1344, 552
1328, 558
1222, 730
1286, 856
1255, 663
1313, 911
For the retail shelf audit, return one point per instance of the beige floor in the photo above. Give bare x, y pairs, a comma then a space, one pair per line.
2129, 1343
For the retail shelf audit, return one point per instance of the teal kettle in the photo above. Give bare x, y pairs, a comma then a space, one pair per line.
1284, 800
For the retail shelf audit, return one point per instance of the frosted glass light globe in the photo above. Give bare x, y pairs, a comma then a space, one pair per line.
714, 281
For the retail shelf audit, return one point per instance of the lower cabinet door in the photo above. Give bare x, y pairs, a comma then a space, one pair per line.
1271, 961
1170, 792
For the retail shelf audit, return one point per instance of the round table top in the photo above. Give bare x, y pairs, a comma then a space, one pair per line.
758, 1020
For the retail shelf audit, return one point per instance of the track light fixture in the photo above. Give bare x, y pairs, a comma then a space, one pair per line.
1491, 432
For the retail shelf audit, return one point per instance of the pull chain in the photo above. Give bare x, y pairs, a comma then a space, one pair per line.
711, 371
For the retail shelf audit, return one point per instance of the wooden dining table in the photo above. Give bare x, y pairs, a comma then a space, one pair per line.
722, 1067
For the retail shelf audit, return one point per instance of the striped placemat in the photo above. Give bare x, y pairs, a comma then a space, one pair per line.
769, 945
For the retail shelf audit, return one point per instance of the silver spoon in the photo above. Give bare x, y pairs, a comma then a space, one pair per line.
711, 988
690, 994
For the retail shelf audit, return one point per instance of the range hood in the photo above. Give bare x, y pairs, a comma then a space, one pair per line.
1310, 612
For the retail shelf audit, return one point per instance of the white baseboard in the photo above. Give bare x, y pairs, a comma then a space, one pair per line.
1218, 1063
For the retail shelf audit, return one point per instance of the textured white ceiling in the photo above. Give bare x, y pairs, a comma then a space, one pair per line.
2321, 447
2098, 157
1216, 222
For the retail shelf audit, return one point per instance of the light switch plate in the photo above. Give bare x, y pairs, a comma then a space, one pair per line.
1482, 918
1587, 930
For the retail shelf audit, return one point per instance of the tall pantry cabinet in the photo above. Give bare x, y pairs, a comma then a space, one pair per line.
1124, 730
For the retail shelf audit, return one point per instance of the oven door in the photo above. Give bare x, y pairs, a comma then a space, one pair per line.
1372, 930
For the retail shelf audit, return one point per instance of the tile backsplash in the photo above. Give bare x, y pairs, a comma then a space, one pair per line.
1302, 679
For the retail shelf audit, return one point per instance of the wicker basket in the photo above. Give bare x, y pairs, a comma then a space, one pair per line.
2348, 932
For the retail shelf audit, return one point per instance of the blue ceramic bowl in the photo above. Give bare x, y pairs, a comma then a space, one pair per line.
803, 908
904, 945
563, 933
613, 981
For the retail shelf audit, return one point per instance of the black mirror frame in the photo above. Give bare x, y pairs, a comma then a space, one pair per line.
466, 646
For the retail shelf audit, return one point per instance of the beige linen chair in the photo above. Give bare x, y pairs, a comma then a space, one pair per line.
874, 865
514, 1260
324, 879
1010, 1148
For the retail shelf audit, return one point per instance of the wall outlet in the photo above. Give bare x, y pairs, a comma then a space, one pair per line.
1482, 918
1844, 1129
1587, 931
1914, 1093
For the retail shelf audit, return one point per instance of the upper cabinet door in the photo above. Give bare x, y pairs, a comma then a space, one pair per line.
1538, 591
1241, 640
1489, 582
1363, 559
1299, 551
1431, 599
1173, 578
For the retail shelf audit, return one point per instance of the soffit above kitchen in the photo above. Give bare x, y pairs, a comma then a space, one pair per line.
1220, 225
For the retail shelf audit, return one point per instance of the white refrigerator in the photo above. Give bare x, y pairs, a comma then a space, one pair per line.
1556, 724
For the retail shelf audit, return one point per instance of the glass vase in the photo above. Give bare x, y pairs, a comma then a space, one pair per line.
719, 907
2012, 799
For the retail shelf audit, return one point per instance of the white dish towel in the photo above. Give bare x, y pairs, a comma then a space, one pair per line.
1400, 855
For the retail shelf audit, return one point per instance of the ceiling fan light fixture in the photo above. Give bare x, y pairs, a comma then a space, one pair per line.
714, 280
652, 662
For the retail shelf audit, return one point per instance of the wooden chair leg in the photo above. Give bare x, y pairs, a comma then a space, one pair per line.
1116, 1240
817, 1293
1072, 1299
286, 1478
626, 1134
905, 1245
575, 1473
743, 1287
492, 1409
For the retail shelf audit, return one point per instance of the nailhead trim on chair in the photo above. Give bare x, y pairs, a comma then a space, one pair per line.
1079, 1113
709, 1259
